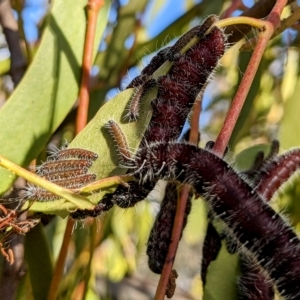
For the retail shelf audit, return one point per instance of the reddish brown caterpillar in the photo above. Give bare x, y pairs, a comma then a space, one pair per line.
177, 90
34, 192
62, 165
176, 94
275, 172
75, 153
140, 92
65, 174
253, 222
161, 232
266, 176
121, 142
67, 168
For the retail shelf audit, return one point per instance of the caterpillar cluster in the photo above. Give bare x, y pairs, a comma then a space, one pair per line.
177, 91
67, 168
250, 219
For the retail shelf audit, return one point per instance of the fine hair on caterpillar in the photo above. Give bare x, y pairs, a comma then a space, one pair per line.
178, 89
274, 172
266, 176
254, 282
67, 167
177, 92
253, 222
161, 232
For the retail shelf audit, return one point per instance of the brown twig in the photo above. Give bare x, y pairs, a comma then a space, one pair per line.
60, 264
180, 212
12, 273
259, 10
93, 9
269, 27
286, 23
235, 4
10, 29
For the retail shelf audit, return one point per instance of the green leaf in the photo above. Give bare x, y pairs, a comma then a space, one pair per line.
241, 128
245, 159
290, 121
50, 87
221, 277
39, 261
95, 137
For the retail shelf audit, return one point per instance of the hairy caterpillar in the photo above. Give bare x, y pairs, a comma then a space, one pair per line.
211, 248
67, 168
254, 283
161, 232
50, 167
176, 94
148, 71
276, 172
266, 176
76, 153
178, 89
253, 222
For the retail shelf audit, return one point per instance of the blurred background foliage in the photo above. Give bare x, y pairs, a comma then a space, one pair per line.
108, 253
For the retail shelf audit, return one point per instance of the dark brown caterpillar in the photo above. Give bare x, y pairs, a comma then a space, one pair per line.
161, 232
254, 283
275, 172
253, 222
211, 248
176, 96
147, 72
178, 89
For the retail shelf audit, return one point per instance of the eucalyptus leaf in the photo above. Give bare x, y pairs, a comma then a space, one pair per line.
50, 86
221, 277
95, 137
39, 261
245, 159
